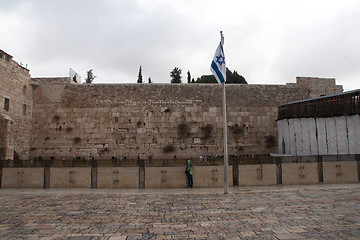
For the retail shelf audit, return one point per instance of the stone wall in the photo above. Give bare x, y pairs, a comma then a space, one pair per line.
158, 121
257, 175
279, 170
318, 86
70, 177
22, 178
15, 118
299, 173
340, 172
118, 177
55, 118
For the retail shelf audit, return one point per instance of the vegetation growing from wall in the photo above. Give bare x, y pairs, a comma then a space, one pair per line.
270, 141
206, 131
183, 131
237, 131
168, 149
76, 140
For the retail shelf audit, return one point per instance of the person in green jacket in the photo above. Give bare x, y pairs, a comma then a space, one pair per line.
189, 173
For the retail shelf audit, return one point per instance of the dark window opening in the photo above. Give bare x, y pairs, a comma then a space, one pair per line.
6, 104
24, 109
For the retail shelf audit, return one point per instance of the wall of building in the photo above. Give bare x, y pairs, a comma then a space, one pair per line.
318, 86
319, 136
158, 121
15, 121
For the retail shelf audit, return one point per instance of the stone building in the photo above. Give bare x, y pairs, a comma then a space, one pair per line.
16, 110
56, 118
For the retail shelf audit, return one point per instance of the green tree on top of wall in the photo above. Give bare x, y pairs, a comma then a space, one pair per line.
188, 77
231, 77
175, 75
140, 79
90, 76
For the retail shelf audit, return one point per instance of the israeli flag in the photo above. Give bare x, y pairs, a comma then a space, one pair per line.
218, 67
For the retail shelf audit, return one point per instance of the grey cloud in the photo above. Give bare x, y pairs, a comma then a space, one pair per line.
262, 42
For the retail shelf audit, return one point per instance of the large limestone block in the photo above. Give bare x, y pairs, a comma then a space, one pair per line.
165, 177
211, 176
299, 173
118, 177
70, 177
340, 172
22, 178
257, 175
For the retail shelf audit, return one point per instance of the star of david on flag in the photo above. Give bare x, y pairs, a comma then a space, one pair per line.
218, 66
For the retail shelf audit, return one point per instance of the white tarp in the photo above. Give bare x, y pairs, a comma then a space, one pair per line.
286, 136
331, 135
341, 135
313, 137
292, 140
321, 136
298, 137
280, 124
353, 125
305, 136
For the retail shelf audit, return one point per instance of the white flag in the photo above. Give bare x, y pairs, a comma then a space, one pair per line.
218, 66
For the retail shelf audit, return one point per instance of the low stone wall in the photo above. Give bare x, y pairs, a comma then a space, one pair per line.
340, 172
70, 177
22, 178
165, 177
175, 177
257, 175
211, 176
244, 172
118, 177
299, 173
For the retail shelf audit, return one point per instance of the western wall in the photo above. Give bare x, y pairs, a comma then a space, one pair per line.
55, 133
156, 120
64, 120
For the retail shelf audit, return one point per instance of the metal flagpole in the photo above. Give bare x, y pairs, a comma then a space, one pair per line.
226, 182
226, 185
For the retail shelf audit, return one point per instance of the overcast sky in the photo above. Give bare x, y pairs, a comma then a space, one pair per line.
268, 42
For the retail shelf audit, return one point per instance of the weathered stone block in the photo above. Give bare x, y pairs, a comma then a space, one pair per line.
22, 178
340, 172
70, 177
211, 176
165, 177
118, 177
257, 175
299, 173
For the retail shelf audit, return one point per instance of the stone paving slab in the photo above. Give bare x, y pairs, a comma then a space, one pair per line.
275, 212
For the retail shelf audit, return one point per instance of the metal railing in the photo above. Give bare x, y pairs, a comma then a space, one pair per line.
347, 103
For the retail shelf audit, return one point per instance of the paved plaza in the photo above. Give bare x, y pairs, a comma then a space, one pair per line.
276, 212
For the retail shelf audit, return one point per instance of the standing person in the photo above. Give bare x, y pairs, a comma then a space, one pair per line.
189, 173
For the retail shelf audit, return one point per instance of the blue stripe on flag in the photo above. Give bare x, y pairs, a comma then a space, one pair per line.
219, 75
